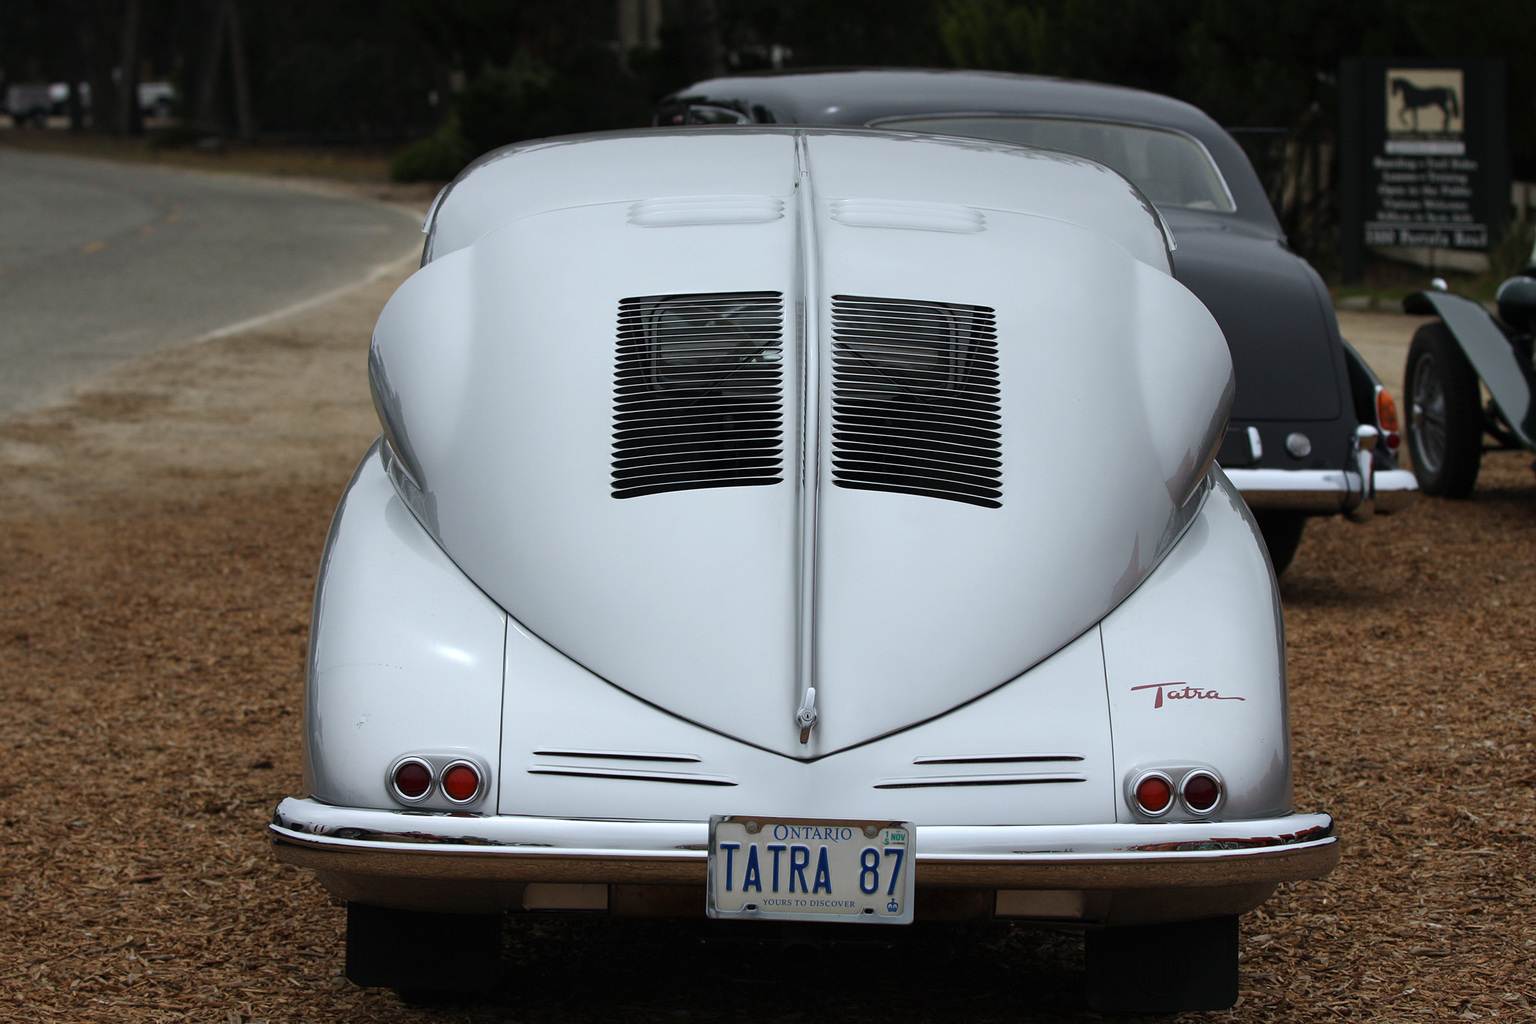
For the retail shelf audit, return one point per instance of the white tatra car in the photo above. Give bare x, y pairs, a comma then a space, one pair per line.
784, 524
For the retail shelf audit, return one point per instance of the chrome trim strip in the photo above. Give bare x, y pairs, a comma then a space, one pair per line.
932, 781
313, 824
994, 758
815, 364
636, 774
619, 755
1320, 490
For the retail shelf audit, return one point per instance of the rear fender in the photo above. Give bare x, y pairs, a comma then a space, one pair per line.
1363, 386
406, 654
1487, 348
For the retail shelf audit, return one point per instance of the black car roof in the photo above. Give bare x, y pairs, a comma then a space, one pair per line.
859, 96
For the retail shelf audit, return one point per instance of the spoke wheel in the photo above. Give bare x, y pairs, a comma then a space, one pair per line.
1445, 419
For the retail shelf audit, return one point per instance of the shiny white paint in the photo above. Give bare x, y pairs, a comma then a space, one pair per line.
1208, 619
405, 653
494, 367
553, 706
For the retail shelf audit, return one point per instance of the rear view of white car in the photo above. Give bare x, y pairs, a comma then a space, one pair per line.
798, 524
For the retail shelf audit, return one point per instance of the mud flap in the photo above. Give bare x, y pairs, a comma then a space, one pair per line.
1163, 968
422, 953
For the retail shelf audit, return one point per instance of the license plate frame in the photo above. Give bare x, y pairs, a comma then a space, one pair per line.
826, 885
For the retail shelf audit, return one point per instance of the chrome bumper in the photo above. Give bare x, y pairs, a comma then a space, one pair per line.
1326, 491
379, 844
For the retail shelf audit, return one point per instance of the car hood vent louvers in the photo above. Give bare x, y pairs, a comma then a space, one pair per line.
908, 215
915, 404
698, 392
692, 211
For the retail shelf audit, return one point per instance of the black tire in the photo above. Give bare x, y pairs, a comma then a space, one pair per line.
1163, 968
1282, 535
425, 957
1445, 416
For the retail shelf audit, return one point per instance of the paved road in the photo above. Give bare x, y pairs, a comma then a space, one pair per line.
101, 262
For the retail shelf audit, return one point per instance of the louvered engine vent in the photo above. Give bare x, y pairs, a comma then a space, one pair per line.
915, 399
698, 392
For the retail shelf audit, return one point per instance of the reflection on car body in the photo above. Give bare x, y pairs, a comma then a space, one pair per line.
1313, 431
777, 524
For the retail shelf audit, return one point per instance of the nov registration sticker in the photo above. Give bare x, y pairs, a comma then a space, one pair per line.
810, 869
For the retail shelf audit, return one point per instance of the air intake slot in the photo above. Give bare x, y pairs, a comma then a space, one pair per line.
698, 392
915, 399
632, 774
951, 781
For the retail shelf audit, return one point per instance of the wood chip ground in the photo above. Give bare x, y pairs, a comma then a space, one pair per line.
159, 534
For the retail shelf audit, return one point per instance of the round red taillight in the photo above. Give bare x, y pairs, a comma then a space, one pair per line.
461, 781
412, 779
1202, 791
1154, 793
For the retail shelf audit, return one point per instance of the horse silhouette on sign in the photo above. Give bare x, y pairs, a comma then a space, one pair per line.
1416, 98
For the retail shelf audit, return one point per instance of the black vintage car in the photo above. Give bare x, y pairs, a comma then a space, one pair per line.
1313, 432
1450, 362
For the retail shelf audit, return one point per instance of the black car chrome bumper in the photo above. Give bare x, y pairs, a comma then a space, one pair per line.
1325, 491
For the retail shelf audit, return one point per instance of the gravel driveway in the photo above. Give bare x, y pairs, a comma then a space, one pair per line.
158, 537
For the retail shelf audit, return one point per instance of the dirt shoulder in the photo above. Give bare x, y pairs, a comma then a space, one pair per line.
284, 405
159, 532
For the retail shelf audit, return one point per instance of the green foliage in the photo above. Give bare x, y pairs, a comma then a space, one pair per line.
335, 70
1253, 63
176, 136
357, 89
1513, 253
367, 68
1246, 62
996, 35
503, 104
471, 35
438, 157
1490, 28
589, 90
826, 33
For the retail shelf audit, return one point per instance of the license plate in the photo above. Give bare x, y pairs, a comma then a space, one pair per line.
810, 869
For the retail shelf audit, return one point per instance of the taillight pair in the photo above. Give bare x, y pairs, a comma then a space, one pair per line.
1155, 791
413, 779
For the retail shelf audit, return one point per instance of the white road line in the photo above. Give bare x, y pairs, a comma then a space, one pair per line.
256, 322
